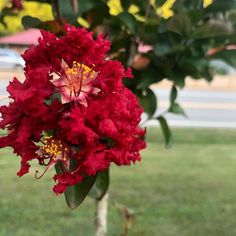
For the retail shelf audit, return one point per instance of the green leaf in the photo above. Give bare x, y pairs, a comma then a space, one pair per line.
176, 109
65, 9
174, 106
196, 15
173, 94
159, 3
212, 29
165, 130
87, 5
101, 185
180, 24
125, 4
183, 5
71, 10
180, 82
161, 49
148, 101
123, 41
149, 76
151, 37
196, 67
30, 22
228, 56
98, 13
129, 21
220, 6
141, 4
75, 194
6, 11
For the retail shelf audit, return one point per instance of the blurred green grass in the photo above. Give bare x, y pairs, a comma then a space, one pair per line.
186, 190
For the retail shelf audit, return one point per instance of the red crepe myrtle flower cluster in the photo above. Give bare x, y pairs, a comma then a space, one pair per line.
72, 107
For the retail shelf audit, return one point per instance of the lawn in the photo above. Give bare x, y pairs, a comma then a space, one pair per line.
188, 190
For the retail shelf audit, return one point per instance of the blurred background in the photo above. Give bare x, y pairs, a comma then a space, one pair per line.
184, 65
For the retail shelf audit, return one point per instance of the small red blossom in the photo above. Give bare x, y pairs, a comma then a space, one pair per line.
72, 108
17, 4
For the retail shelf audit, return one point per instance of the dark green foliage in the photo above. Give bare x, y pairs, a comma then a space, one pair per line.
149, 101
229, 56
174, 106
76, 194
165, 130
101, 185
31, 22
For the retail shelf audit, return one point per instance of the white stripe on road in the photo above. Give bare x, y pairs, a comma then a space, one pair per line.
194, 124
201, 105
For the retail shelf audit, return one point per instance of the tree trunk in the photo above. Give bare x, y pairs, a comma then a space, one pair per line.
101, 216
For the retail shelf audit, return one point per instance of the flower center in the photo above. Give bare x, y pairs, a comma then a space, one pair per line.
75, 83
54, 149
77, 76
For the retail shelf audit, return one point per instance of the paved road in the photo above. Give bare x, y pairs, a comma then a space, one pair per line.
3, 93
203, 108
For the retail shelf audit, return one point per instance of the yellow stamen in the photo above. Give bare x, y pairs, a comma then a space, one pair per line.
54, 148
